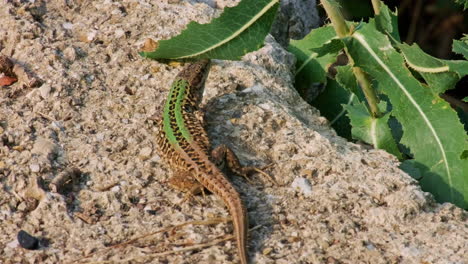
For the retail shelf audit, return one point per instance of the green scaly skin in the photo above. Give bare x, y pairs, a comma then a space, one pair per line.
185, 146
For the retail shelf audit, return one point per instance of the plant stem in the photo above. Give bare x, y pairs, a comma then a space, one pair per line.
369, 93
342, 30
333, 11
376, 6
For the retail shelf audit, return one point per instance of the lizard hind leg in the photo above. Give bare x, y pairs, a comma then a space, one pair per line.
184, 181
222, 156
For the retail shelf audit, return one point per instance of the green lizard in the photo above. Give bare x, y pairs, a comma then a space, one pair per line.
184, 144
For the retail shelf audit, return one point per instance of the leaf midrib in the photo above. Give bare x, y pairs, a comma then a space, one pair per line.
236, 33
359, 37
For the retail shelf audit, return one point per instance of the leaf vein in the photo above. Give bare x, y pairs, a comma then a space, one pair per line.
360, 38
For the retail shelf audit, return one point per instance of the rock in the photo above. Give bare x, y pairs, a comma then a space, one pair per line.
67, 25
44, 147
302, 185
352, 205
27, 241
44, 90
35, 167
145, 153
295, 19
70, 54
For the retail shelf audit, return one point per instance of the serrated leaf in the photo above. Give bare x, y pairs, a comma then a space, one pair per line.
431, 128
463, 3
239, 30
387, 22
344, 90
333, 46
345, 77
463, 116
310, 66
440, 75
315, 53
330, 102
374, 131
461, 46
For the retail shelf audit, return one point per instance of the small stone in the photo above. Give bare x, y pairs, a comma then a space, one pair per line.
69, 53
18, 148
44, 147
13, 244
91, 35
27, 241
22, 207
44, 90
254, 89
119, 33
67, 25
303, 185
267, 251
145, 153
34, 167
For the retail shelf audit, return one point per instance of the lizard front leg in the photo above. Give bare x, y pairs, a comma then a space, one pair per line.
222, 156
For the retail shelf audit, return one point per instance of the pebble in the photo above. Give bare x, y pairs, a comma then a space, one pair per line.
145, 153
254, 89
267, 251
44, 147
91, 35
34, 167
27, 241
303, 185
69, 53
13, 244
44, 90
67, 25
119, 33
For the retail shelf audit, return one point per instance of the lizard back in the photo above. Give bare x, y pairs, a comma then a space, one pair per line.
185, 145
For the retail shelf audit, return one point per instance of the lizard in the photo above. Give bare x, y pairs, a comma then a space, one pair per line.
184, 145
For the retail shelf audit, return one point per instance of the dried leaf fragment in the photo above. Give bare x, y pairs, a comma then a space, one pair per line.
149, 45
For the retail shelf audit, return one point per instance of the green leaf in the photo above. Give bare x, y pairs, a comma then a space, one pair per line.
345, 77
440, 75
411, 168
465, 99
330, 102
463, 3
431, 128
312, 67
239, 30
387, 22
461, 46
374, 131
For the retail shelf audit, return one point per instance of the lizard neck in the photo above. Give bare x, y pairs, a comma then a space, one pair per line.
184, 98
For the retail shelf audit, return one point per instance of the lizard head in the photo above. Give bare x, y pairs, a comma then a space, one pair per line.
195, 74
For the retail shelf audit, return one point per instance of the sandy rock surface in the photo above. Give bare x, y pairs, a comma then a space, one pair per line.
80, 171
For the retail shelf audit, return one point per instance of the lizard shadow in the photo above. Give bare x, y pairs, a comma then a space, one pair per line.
253, 195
